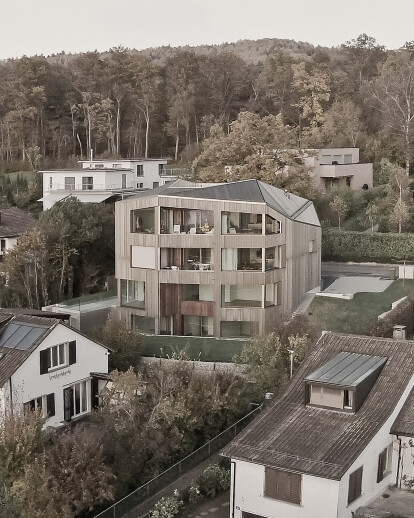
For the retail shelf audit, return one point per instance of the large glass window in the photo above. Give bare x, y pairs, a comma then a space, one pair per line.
272, 258
140, 170
197, 326
186, 221
186, 259
143, 221
198, 292
233, 296
133, 294
236, 329
241, 259
69, 183
273, 226
143, 324
241, 223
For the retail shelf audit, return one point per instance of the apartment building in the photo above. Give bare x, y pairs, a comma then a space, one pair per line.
220, 260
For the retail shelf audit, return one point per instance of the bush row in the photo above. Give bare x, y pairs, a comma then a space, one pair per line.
343, 246
403, 314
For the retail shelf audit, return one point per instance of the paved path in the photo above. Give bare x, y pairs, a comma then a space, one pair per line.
219, 507
181, 483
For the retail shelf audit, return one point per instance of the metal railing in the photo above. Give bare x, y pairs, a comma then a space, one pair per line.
150, 488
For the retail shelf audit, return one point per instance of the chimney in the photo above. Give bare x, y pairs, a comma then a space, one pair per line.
398, 332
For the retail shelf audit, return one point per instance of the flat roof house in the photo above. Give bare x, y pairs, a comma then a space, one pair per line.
99, 180
339, 166
220, 260
331, 442
46, 364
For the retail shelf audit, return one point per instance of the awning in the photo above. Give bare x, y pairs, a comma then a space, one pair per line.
54, 198
91, 198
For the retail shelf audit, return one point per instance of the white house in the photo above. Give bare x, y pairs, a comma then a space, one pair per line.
44, 363
14, 223
98, 180
339, 166
327, 445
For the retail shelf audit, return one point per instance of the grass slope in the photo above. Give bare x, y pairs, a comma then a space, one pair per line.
359, 314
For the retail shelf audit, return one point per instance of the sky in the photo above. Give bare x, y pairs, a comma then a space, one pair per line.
47, 27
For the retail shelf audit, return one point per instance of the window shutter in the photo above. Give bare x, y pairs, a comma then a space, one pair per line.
270, 483
283, 485
68, 403
94, 393
50, 405
295, 490
355, 485
44, 361
72, 352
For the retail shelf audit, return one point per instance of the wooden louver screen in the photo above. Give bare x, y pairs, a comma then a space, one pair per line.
355, 485
382, 464
282, 485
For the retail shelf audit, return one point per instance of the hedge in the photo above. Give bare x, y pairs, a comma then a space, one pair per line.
338, 245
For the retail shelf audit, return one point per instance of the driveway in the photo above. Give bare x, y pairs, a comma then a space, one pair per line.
219, 507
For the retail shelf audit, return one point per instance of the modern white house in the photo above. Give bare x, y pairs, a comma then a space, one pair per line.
223, 260
45, 364
99, 180
330, 443
339, 166
14, 222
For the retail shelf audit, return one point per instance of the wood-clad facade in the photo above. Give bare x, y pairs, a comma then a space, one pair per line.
188, 275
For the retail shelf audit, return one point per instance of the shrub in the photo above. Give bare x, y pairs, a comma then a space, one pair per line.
214, 480
403, 314
167, 507
356, 246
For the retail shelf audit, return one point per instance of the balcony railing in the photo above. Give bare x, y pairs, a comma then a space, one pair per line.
89, 187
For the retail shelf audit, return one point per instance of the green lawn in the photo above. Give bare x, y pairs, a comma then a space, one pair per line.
196, 348
359, 314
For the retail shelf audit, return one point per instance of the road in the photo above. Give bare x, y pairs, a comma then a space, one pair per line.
331, 269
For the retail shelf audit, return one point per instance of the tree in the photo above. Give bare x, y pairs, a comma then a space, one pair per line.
364, 55
126, 344
342, 125
392, 94
267, 359
400, 200
339, 206
255, 148
372, 212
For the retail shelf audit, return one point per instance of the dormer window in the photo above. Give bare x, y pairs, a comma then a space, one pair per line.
344, 382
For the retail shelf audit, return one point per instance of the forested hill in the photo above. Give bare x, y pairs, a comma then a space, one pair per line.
164, 101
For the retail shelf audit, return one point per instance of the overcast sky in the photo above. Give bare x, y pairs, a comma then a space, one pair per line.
50, 26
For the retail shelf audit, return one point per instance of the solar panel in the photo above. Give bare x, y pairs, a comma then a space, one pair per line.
21, 336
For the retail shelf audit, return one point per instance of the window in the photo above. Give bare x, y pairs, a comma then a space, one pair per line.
312, 247
87, 183
241, 296
69, 183
50, 182
57, 356
326, 159
241, 259
44, 404
355, 485
161, 169
133, 294
143, 221
235, 329
186, 221
348, 399
155, 184
282, 485
115, 166
75, 400
123, 181
143, 324
140, 170
273, 226
241, 223
2, 245
98, 166
140, 185
337, 159
384, 463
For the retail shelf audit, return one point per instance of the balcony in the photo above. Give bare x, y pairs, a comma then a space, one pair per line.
199, 259
186, 221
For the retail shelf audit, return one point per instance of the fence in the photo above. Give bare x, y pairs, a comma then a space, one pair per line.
128, 503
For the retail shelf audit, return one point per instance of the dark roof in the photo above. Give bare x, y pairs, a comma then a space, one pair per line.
283, 202
404, 424
346, 369
297, 437
9, 312
15, 222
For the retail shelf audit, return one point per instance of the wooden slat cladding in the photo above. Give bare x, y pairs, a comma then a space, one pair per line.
355, 485
197, 308
283, 485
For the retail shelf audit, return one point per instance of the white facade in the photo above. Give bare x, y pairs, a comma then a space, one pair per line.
97, 180
339, 166
27, 383
7, 243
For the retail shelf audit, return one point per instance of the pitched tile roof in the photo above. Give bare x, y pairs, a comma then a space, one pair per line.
322, 442
15, 222
404, 424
